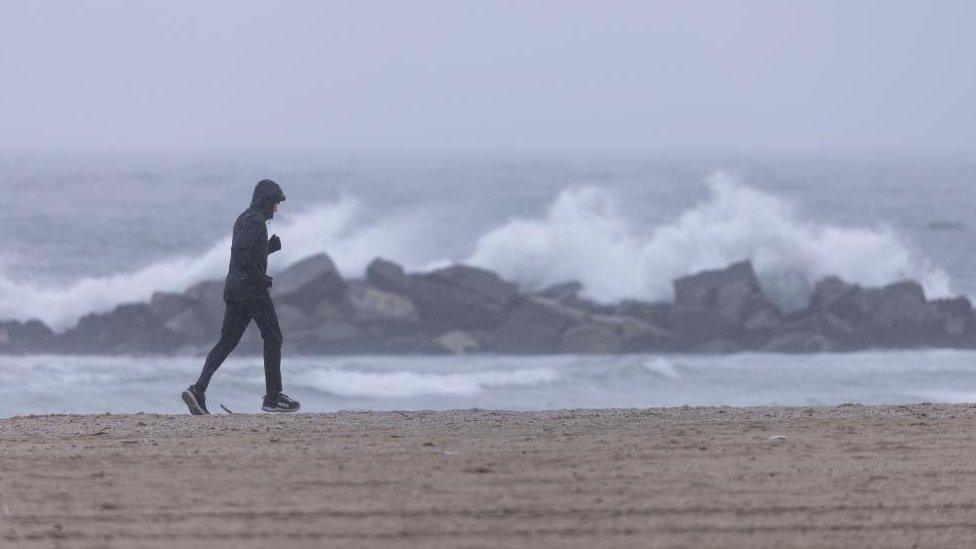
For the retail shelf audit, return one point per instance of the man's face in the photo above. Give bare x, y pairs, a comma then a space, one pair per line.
274, 207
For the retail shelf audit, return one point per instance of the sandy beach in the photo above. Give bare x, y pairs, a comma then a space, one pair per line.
892, 476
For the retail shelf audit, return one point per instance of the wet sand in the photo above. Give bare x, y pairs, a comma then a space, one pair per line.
894, 476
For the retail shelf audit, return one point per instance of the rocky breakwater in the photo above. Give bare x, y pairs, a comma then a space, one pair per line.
462, 309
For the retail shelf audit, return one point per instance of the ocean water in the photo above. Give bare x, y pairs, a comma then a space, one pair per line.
85, 233
55, 384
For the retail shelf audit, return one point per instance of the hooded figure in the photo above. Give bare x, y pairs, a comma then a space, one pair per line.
247, 298
247, 276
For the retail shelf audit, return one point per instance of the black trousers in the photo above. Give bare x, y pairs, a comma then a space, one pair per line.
237, 316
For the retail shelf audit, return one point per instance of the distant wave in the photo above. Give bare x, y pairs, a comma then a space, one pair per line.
584, 237
403, 384
581, 236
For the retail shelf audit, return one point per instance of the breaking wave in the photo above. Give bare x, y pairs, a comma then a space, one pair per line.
583, 236
404, 384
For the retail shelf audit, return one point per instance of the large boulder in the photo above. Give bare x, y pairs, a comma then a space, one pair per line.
308, 283
640, 336
568, 293
461, 297
896, 315
841, 333
167, 305
564, 291
207, 300
591, 338
32, 336
726, 290
724, 304
186, 326
478, 281
957, 320
386, 275
373, 305
658, 313
535, 325
129, 328
329, 336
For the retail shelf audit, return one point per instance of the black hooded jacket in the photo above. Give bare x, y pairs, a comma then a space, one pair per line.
247, 276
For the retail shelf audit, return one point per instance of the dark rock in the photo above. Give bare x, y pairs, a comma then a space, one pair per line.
167, 305
901, 313
800, 343
386, 275
728, 304
698, 324
658, 314
841, 333
208, 303
957, 319
479, 281
895, 315
639, 336
291, 319
719, 345
308, 283
720, 289
535, 325
567, 293
461, 297
828, 291
187, 326
562, 291
591, 338
331, 336
26, 337
130, 328
373, 305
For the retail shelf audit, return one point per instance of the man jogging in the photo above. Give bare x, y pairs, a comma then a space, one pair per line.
246, 297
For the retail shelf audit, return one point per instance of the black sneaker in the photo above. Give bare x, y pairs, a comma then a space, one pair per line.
280, 403
195, 401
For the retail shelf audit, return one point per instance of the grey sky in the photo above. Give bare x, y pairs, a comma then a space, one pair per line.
474, 75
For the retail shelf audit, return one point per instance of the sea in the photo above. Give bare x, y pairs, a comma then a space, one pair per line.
85, 232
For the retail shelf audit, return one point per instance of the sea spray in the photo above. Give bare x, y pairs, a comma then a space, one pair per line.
584, 237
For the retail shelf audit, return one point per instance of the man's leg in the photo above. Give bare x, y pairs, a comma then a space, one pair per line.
264, 315
236, 318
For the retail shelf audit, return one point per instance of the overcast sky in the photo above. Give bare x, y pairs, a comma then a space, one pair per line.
488, 75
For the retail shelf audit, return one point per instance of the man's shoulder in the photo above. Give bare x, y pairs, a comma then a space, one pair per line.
250, 217
249, 226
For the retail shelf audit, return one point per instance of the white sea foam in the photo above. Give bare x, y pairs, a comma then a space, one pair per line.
584, 237
662, 367
404, 384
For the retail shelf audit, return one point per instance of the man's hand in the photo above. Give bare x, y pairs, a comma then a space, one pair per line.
274, 244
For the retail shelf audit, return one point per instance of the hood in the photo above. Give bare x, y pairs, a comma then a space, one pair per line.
266, 193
